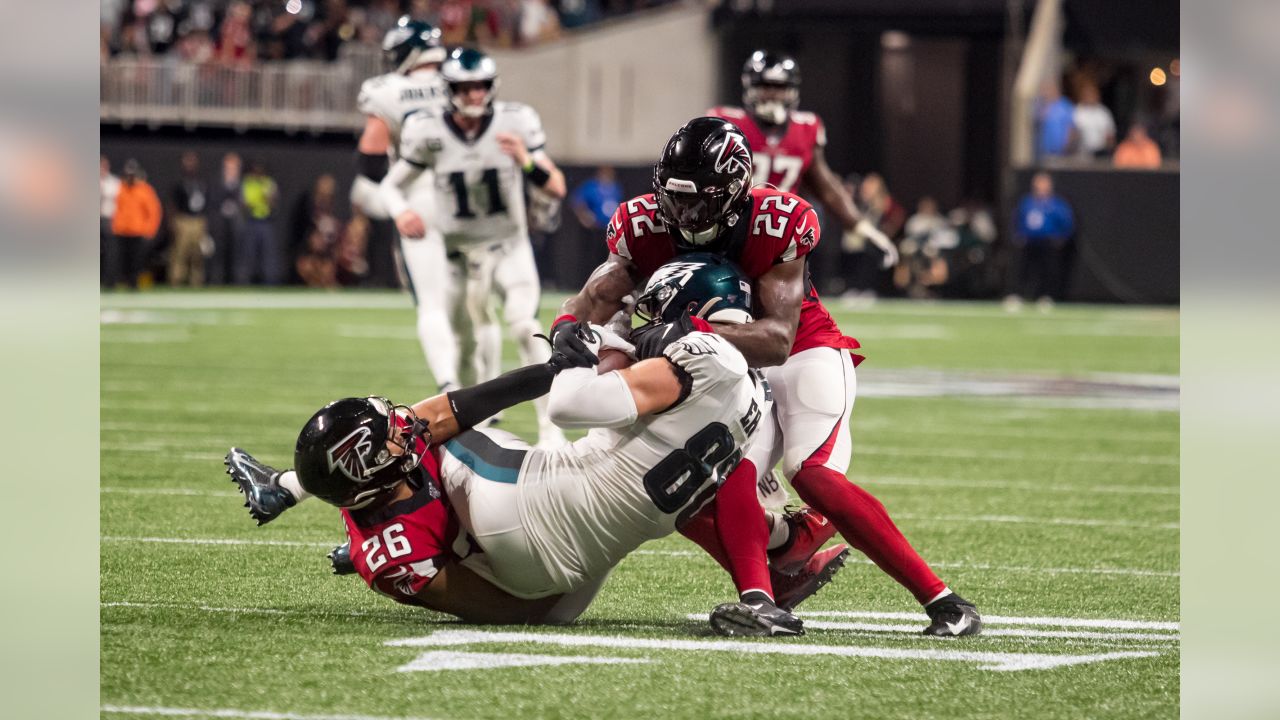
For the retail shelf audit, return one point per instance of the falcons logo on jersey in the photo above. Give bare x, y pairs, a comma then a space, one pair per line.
349, 454
734, 156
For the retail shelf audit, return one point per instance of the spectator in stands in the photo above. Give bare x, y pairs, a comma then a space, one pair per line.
236, 46
108, 189
1137, 150
927, 236
1043, 227
576, 13
353, 253
1095, 128
135, 224
538, 22
227, 220
315, 212
864, 261
259, 256
1055, 116
188, 225
595, 199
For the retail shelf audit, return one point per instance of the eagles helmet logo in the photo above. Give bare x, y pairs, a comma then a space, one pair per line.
734, 156
349, 454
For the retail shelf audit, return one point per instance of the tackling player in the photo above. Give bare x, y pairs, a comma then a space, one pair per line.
550, 524
413, 53
480, 152
703, 202
790, 145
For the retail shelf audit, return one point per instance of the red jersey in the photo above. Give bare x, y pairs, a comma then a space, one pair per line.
780, 227
399, 548
782, 158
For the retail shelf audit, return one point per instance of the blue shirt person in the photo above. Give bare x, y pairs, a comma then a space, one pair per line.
1056, 117
595, 200
1042, 215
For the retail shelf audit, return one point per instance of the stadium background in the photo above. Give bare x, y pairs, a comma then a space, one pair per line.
938, 96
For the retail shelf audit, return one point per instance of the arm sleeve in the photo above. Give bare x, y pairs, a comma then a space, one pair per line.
582, 399
392, 187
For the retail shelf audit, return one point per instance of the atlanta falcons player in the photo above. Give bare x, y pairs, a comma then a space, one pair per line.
703, 202
550, 524
480, 152
790, 145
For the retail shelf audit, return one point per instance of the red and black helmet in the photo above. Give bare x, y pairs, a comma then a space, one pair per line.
346, 453
770, 86
702, 180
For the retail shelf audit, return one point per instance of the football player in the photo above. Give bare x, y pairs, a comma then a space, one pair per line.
413, 52
703, 201
789, 145
480, 152
550, 524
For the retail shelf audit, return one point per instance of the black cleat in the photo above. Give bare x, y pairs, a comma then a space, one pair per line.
260, 485
341, 559
953, 616
791, 590
754, 620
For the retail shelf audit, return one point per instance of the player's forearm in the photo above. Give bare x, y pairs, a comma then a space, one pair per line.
601, 296
392, 186
477, 403
763, 343
581, 398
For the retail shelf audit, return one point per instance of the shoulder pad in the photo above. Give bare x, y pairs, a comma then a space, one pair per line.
803, 117
708, 358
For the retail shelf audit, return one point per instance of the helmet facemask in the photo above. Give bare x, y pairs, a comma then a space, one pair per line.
771, 103
459, 90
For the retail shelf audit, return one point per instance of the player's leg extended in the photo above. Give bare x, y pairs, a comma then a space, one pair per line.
814, 393
516, 283
429, 281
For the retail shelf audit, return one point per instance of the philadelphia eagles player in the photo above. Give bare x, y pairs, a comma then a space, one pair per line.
549, 524
413, 52
480, 152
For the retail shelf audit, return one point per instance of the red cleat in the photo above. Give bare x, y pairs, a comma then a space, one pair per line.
809, 532
791, 590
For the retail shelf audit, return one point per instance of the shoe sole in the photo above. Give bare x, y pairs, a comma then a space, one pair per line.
254, 512
737, 620
821, 578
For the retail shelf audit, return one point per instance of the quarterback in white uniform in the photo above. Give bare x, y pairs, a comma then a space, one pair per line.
479, 152
414, 52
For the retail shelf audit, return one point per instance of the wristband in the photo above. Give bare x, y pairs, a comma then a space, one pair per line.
373, 167
701, 325
536, 174
563, 318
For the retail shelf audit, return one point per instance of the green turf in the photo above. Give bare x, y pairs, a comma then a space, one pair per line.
1029, 508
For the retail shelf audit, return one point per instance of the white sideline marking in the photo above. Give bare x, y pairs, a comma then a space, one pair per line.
1003, 455
1019, 519
251, 610
228, 713
457, 660
259, 301
986, 632
680, 553
985, 660
1107, 623
1031, 486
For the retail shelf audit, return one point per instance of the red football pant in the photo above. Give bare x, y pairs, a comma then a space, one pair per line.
866, 525
732, 529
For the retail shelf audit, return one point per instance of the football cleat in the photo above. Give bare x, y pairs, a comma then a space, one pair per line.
953, 616
260, 485
762, 619
341, 559
809, 532
791, 590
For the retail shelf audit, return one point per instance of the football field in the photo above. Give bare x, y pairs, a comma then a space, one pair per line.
1031, 458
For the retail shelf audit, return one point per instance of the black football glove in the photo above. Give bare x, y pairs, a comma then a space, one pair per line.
568, 339
650, 340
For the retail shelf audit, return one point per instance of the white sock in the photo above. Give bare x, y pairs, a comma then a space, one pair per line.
289, 481
779, 530
945, 592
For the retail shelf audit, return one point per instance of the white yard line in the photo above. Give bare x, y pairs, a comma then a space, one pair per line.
229, 713
1105, 623
168, 491
1022, 520
1043, 486
675, 553
999, 661
860, 449
986, 631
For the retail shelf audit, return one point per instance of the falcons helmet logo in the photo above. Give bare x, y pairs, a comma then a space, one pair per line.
350, 452
734, 156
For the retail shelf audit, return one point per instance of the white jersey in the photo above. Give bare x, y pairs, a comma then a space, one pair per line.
590, 503
393, 97
479, 190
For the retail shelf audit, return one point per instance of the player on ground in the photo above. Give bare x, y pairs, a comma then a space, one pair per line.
480, 152
664, 433
413, 54
703, 202
789, 145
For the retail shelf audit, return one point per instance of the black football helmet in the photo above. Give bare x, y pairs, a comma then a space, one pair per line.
706, 285
702, 181
411, 43
344, 453
770, 86
468, 65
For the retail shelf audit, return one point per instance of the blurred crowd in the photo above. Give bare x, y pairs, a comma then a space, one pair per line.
243, 32
1075, 124
222, 229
